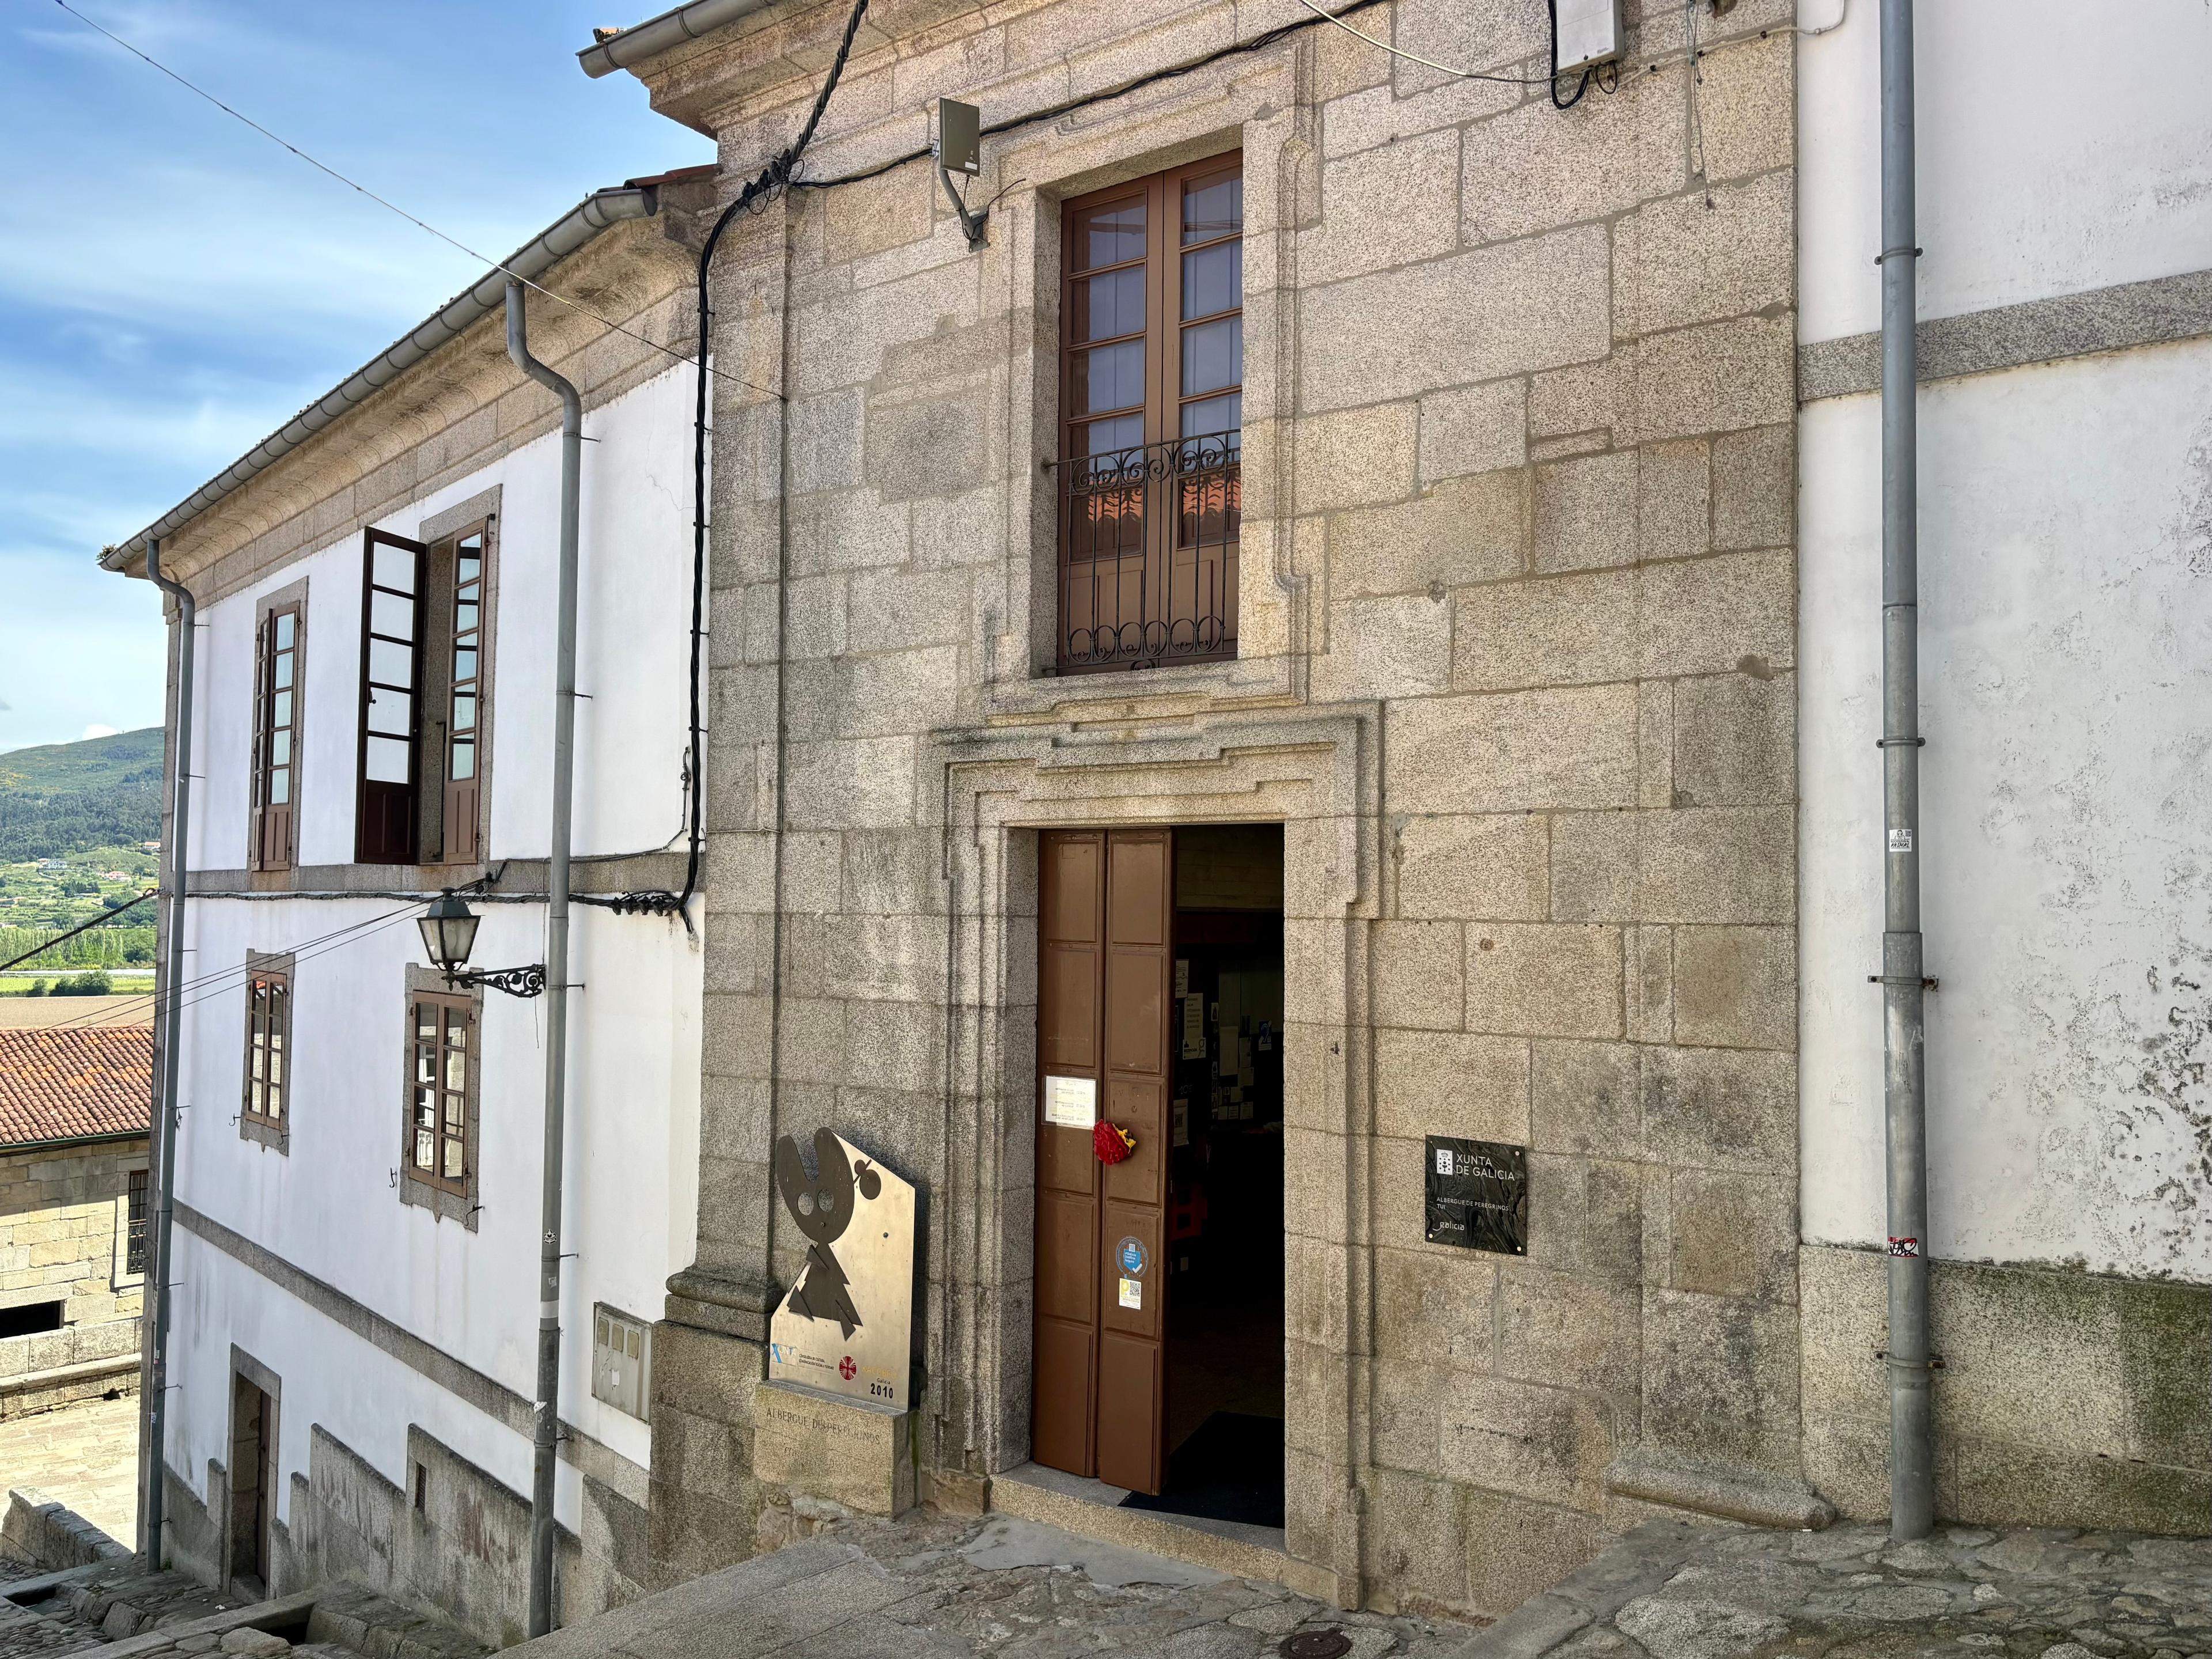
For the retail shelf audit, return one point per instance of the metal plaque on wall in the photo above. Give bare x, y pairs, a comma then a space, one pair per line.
845, 1325
1477, 1195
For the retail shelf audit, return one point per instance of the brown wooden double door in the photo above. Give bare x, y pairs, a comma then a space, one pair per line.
1105, 941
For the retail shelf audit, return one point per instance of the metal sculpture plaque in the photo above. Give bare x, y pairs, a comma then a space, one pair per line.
845, 1325
1477, 1193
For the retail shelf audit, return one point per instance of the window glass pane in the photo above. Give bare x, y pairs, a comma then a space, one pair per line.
1212, 207
426, 1108
280, 748
470, 565
276, 1100
1108, 305
280, 708
1213, 279
1213, 355
452, 1160
456, 1113
465, 761
629, 1345
1108, 377
387, 760
464, 665
464, 713
426, 1064
389, 711
424, 1143
390, 664
457, 1069
465, 618
394, 568
287, 623
253, 1103
283, 670
280, 786
1103, 437
426, 1019
1213, 415
390, 614
1108, 235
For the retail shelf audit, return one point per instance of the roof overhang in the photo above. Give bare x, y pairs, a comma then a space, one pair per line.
624, 47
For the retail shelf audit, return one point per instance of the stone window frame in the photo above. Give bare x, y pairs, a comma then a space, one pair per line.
447, 1203
1255, 106
262, 1128
292, 597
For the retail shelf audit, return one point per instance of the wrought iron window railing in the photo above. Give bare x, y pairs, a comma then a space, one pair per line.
1148, 554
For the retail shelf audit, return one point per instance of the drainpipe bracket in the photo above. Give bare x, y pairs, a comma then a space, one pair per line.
1900, 743
1897, 1362
1925, 984
1899, 253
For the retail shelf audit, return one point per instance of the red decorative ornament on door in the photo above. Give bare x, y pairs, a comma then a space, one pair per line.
1111, 1142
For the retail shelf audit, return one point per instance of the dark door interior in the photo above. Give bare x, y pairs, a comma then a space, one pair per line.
253, 1482
1159, 1336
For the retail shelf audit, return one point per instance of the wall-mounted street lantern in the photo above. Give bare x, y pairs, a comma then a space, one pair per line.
449, 931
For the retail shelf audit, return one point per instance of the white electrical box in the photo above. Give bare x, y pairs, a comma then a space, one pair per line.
1588, 32
622, 1361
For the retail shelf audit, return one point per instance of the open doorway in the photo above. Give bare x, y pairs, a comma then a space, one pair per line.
1223, 1362
252, 1484
1157, 1347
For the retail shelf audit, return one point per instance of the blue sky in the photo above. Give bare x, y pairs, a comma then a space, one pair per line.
173, 287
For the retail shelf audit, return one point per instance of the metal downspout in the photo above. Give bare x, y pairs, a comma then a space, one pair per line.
159, 1277
1912, 1463
546, 1431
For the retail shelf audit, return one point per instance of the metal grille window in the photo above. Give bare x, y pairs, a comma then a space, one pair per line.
391, 682
275, 732
441, 1089
1152, 419
134, 1249
268, 1027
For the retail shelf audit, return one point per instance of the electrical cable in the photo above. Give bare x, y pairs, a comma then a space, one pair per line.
420, 224
1842, 13
97, 921
1430, 63
1581, 87
774, 176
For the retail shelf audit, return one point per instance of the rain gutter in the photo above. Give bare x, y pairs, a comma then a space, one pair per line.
658, 34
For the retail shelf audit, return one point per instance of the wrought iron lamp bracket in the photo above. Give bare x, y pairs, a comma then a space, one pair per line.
515, 982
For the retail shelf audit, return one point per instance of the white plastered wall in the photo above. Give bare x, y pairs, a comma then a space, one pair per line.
329, 1204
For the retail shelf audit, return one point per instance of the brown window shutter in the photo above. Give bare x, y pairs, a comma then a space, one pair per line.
260, 772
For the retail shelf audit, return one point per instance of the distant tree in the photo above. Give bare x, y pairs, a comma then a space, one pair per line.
95, 983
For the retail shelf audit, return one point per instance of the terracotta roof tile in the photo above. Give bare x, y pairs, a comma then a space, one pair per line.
74, 1084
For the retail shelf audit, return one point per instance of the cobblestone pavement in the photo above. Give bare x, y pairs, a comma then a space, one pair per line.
1672, 1591
85, 1456
934, 1586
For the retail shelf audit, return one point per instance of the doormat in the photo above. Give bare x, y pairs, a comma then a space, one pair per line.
1230, 1470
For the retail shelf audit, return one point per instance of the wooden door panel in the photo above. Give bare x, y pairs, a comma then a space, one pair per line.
1139, 1105
1130, 1397
1063, 1357
1142, 1223
1136, 1003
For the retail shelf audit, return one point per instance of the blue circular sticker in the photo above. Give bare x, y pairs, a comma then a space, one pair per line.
1133, 1257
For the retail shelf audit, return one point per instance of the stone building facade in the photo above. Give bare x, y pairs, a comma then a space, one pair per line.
1513, 671
73, 1109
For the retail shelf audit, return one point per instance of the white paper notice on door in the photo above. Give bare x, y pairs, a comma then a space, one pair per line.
1133, 1292
1071, 1101
1193, 1028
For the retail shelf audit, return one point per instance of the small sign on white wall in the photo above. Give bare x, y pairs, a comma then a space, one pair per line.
1071, 1101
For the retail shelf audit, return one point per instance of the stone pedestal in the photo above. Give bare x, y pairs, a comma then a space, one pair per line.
822, 1445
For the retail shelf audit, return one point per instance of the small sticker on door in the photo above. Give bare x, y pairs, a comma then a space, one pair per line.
1131, 1255
1133, 1292
1071, 1101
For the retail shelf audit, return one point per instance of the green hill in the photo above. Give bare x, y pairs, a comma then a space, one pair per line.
72, 797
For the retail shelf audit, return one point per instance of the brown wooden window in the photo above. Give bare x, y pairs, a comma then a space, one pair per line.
441, 1089
275, 736
424, 691
268, 1032
385, 822
464, 707
1152, 419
